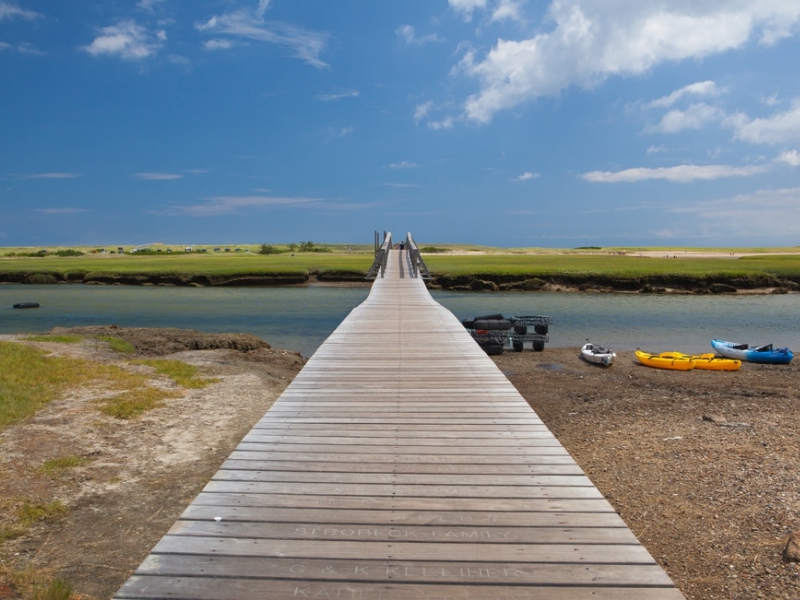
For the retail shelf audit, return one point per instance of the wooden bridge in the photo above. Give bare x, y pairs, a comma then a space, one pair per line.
400, 464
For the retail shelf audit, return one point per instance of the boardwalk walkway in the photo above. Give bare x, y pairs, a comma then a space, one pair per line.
400, 464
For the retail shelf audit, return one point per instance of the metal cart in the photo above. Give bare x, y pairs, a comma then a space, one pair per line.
495, 332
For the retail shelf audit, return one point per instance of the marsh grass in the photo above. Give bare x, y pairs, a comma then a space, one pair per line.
33, 584
457, 260
183, 374
57, 466
58, 339
132, 403
19, 514
29, 379
117, 344
611, 265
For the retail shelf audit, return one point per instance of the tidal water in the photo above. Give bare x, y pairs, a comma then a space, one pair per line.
301, 318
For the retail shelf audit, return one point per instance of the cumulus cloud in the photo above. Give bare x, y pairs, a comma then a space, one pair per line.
409, 35
701, 88
694, 117
339, 96
680, 173
218, 44
777, 129
128, 40
223, 205
507, 9
250, 24
790, 157
527, 175
591, 40
158, 176
467, 7
12, 11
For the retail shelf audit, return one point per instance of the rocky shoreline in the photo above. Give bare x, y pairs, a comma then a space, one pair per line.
483, 282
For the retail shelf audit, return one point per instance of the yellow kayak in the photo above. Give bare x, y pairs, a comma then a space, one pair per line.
709, 361
679, 363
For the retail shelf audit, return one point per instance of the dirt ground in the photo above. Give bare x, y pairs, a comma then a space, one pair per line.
713, 501
143, 472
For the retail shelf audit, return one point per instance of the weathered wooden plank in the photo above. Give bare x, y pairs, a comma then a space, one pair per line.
204, 588
389, 517
357, 503
362, 466
412, 571
457, 534
400, 479
533, 447
419, 491
632, 554
439, 460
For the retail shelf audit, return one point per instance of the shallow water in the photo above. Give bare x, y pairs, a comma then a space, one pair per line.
300, 318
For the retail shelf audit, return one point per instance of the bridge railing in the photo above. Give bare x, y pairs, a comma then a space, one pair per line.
418, 266
381, 255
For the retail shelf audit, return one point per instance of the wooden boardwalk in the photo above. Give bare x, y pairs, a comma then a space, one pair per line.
400, 464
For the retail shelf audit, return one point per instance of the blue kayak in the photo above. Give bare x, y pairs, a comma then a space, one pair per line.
757, 354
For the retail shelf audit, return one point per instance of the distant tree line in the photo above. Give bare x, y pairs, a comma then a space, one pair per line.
308, 246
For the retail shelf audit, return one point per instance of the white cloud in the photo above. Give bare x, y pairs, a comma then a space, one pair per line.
507, 9
405, 164
53, 175
694, 117
60, 211
593, 39
218, 45
467, 7
305, 45
158, 176
701, 88
128, 40
446, 123
23, 48
527, 175
339, 96
790, 157
777, 129
680, 174
771, 100
337, 132
12, 11
223, 205
421, 111
656, 149
148, 5
409, 36
765, 214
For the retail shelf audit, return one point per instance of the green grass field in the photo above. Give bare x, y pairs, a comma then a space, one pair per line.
456, 260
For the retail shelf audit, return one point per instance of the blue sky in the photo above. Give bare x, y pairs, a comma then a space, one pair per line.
502, 122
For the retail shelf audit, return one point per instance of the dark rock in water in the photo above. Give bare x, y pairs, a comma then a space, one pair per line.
26, 305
